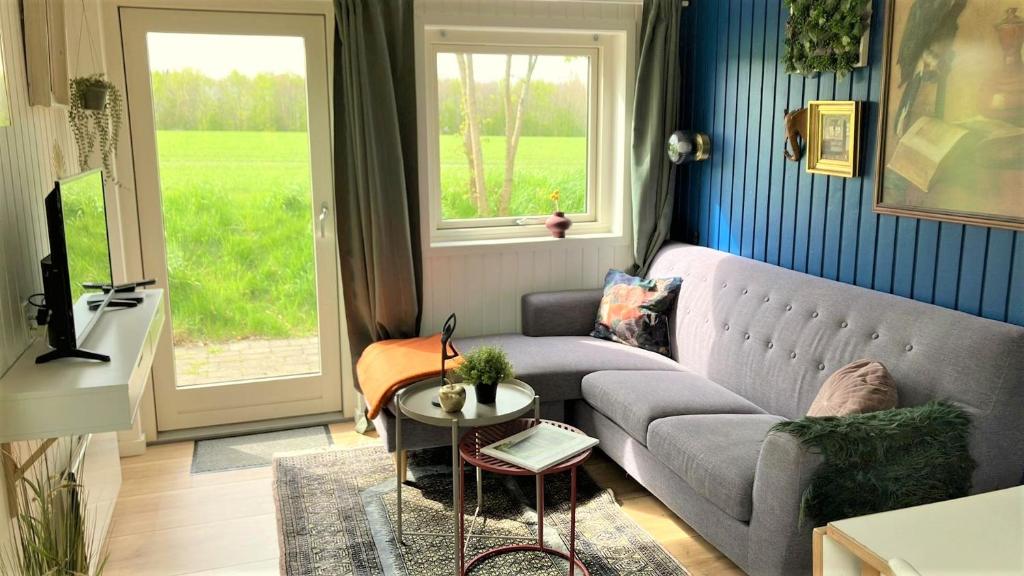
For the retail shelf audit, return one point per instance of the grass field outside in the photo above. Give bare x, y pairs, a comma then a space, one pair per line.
542, 164
239, 225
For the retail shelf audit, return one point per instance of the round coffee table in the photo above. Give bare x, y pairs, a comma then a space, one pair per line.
470, 453
513, 400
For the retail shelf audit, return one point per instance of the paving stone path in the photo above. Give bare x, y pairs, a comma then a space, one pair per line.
208, 363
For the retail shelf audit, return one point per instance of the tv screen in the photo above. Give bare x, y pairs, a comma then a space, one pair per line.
76, 220
85, 231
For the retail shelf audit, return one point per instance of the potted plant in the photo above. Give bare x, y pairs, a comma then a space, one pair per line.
557, 223
52, 537
484, 368
95, 113
826, 36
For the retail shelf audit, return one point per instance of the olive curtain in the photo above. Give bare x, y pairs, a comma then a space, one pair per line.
375, 173
655, 117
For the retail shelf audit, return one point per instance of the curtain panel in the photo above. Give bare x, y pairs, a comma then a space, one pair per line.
375, 169
655, 117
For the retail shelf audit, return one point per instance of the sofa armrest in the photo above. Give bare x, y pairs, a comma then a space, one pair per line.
779, 542
564, 313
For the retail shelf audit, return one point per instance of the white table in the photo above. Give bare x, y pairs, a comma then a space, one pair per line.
513, 399
79, 398
981, 534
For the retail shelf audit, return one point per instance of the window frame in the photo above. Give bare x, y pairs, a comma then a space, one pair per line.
609, 102
593, 53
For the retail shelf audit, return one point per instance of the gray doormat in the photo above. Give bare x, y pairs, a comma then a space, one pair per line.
336, 515
255, 450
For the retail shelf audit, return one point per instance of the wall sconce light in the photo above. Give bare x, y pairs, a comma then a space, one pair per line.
685, 146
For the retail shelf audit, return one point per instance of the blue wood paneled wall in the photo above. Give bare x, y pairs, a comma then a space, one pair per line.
748, 200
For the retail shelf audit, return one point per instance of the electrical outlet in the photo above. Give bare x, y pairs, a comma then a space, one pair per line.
29, 313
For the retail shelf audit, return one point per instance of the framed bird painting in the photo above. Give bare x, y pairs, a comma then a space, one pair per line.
951, 131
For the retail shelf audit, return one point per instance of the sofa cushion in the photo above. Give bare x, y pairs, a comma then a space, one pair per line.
635, 398
715, 454
555, 365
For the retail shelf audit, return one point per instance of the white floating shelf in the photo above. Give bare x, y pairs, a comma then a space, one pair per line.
70, 396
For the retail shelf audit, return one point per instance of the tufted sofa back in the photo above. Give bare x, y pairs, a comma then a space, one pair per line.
773, 336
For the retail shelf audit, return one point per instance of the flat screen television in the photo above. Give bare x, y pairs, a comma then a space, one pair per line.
76, 219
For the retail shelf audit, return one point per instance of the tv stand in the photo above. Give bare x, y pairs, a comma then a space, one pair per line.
72, 353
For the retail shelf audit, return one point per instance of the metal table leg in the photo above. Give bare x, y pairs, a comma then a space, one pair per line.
398, 467
540, 510
456, 491
572, 524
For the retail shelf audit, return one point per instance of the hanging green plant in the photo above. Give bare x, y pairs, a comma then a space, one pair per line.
95, 113
826, 35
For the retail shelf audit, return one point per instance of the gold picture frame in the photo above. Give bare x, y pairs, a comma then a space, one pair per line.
833, 138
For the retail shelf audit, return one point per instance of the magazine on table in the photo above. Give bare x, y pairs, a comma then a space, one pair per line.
540, 447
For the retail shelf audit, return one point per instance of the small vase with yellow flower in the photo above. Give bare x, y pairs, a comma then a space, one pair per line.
557, 223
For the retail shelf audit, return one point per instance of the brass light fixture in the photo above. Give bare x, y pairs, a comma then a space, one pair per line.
685, 146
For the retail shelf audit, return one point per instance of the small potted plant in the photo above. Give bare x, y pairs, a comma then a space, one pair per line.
484, 368
557, 223
95, 112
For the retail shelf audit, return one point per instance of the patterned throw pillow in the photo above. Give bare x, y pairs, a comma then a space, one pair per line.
635, 311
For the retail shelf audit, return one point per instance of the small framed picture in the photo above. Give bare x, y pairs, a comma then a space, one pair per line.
833, 138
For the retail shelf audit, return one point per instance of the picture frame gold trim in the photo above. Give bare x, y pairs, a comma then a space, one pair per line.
816, 163
878, 204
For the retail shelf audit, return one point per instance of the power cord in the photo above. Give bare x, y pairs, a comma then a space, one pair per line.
42, 311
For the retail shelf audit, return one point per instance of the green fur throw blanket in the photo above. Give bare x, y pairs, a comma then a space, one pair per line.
885, 460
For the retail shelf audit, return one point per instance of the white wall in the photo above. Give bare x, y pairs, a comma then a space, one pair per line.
483, 287
27, 173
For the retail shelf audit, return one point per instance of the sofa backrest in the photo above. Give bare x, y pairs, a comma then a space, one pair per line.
774, 335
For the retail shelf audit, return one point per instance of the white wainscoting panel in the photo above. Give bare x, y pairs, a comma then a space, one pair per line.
484, 288
26, 175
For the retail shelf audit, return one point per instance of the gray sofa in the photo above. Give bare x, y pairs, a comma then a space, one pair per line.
752, 343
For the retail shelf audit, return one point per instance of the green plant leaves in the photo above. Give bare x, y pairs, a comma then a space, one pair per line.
824, 35
485, 365
90, 127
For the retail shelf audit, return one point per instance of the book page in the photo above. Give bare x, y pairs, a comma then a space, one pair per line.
544, 443
922, 149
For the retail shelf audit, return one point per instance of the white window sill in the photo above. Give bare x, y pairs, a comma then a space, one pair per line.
529, 242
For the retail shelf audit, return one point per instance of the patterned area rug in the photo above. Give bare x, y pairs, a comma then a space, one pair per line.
336, 516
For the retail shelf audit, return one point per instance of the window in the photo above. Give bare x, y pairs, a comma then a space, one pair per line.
519, 124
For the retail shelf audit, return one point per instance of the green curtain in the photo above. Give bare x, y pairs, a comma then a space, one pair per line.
375, 172
655, 117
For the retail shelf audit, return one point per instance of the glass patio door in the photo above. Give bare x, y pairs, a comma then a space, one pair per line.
230, 129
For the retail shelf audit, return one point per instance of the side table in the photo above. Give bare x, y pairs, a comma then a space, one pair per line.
470, 452
513, 400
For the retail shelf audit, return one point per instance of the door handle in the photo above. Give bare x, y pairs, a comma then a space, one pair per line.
323, 219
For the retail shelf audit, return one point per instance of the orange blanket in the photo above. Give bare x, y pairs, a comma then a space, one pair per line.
387, 366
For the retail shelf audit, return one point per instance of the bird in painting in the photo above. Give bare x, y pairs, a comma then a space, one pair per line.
925, 52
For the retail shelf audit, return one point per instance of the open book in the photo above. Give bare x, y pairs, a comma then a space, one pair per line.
540, 447
931, 144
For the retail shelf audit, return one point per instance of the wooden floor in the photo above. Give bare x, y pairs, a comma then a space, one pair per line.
170, 522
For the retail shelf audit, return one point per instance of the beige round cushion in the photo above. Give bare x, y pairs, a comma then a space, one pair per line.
860, 386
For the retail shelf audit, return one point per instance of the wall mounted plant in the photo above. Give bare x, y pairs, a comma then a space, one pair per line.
827, 36
95, 112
